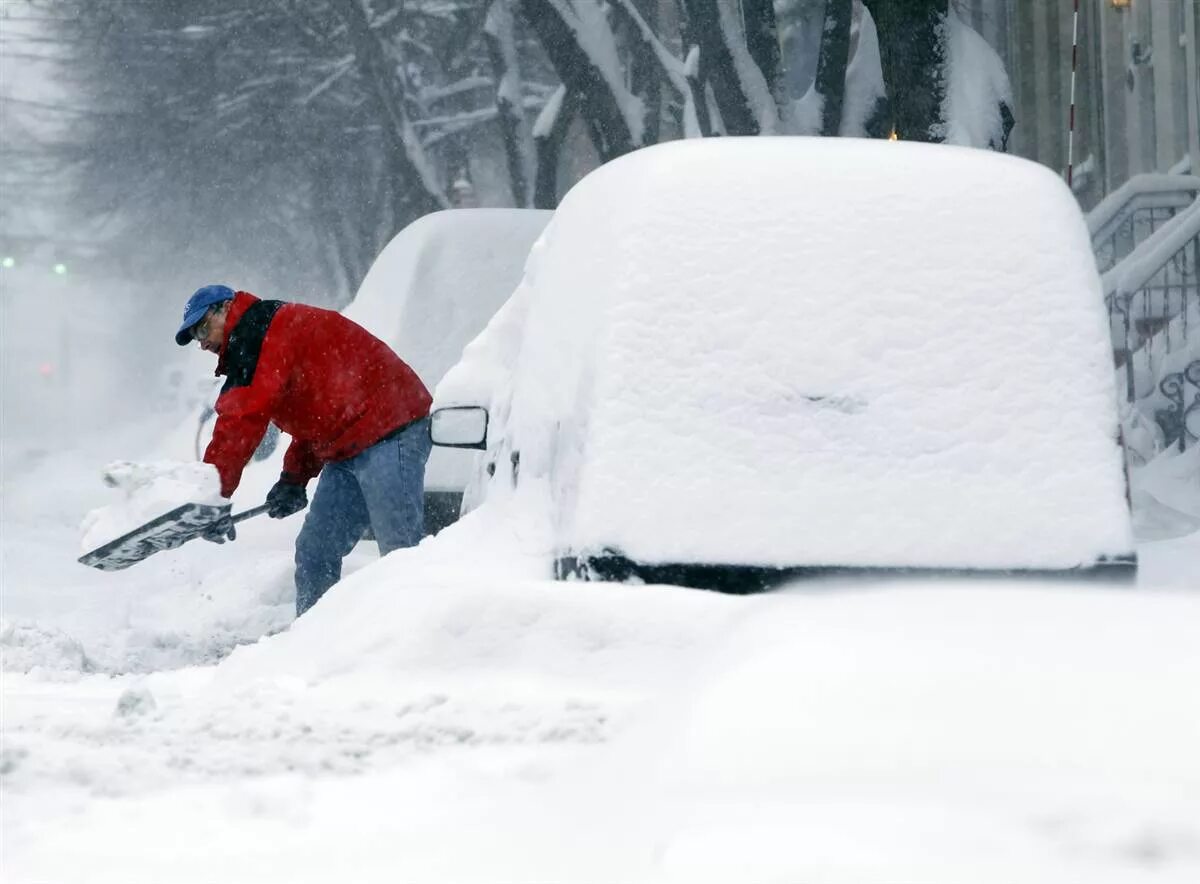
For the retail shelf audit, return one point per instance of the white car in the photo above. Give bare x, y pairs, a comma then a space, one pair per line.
734, 360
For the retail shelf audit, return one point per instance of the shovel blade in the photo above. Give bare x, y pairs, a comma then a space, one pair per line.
168, 531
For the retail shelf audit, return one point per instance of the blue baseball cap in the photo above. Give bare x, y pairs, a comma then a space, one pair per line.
197, 306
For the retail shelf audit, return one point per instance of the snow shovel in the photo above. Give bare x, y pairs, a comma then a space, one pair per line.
168, 531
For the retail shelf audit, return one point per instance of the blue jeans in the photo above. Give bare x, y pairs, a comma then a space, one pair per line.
381, 487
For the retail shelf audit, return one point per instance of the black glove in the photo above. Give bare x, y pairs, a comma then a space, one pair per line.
285, 498
221, 529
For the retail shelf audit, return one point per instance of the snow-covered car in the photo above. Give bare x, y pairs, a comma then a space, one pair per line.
732, 360
431, 290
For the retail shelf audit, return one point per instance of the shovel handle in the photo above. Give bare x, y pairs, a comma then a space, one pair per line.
249, 514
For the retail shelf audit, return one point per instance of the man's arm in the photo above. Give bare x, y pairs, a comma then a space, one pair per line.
243, 413
300, 463
235, 436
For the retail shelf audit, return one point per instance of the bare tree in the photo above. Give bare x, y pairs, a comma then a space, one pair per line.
581, 45
416, 188
285, 140
500, 33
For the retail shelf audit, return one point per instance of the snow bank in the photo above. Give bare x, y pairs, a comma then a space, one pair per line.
941, 732
187, 606
947, 691
839, 365
1166, 495
46, 650
435, 286
150, 490
404, 606
948, 732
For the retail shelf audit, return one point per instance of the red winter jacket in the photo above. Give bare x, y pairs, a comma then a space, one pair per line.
327, 382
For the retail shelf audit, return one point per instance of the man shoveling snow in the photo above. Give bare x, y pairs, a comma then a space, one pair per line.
357, 414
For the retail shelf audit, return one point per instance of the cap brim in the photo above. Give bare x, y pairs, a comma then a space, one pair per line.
183, 337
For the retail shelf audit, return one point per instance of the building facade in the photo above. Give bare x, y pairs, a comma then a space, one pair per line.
1137, 95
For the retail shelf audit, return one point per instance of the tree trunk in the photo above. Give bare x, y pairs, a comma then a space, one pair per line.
695, 73
502, 50
349, 212
912, 45
597, 102
336, 265
645, 71
549, 133
762, 40
717, 67
415, 190
832, 63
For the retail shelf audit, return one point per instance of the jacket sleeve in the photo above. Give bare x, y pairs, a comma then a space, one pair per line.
234, 439
243, 414
300, 463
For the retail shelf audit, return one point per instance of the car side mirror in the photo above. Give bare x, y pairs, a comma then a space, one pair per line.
460, 426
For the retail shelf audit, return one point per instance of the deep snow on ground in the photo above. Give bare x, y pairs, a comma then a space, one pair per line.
453, 716
188, 606
521, 730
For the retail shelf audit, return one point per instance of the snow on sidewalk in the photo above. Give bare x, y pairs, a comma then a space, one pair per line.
521, 729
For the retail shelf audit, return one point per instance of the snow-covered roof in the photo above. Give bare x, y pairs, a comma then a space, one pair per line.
802, 351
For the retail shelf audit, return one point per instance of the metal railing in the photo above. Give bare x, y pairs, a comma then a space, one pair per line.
1146, 238
1134, 212
1180, 419
1153, 300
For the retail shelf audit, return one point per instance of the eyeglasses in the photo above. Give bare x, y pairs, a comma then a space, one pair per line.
200, 329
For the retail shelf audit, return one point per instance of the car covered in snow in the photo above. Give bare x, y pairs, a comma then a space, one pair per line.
732, 360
